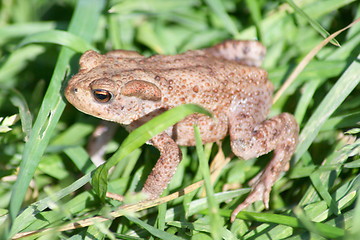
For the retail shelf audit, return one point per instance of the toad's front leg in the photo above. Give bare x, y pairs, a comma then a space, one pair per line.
280, 134
165, 167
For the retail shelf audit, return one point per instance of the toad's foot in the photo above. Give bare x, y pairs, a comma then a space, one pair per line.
261, 186
279, 134
260, 192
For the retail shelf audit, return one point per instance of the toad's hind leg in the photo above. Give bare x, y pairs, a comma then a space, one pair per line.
280, 134
248, 52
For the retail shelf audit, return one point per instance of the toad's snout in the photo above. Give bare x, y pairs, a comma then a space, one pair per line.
71, 93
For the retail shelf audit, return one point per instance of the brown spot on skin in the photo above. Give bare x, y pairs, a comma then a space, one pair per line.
246, 50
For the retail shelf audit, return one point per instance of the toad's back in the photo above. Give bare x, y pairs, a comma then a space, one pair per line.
201, 76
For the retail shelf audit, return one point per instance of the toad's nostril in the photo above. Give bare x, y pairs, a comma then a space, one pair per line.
75, 90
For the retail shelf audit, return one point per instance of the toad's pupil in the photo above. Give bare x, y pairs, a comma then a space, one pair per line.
102, 95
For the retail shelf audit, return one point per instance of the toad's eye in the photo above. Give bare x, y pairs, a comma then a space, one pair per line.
101, 95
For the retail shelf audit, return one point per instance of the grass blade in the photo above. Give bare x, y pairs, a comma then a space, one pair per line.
138, 137
215, 220
82, 24
313, 23
218, 7
156, 232
342, 88
325, 229
63, 38
255, 11
29, 214
355, 232
26, 118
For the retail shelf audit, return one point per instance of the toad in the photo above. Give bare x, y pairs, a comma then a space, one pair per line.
226, 79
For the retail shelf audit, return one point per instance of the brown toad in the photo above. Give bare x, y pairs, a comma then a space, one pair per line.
128, 88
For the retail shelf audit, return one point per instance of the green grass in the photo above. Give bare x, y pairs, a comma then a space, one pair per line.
45, 170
